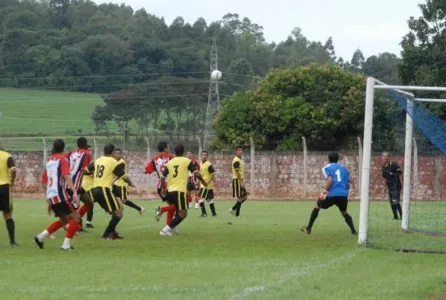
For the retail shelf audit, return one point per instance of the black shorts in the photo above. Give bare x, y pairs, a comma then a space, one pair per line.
340, 201
191, 186
159, 193
178, 199
394, 196
82, 191
105, 198
64, 208
5, 198
237, 190
121, 192
207, 194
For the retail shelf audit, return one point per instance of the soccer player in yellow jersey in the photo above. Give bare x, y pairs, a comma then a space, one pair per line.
120, 186
178, 171
207, 193
104, 169
7, 179
238, 183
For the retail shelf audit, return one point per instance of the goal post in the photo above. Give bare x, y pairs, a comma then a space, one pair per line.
408, 102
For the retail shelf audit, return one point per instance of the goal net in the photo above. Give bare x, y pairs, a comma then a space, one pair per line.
415, 139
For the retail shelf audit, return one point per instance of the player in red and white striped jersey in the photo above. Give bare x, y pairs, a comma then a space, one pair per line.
193, 184
79, 160
57, 182
158, 164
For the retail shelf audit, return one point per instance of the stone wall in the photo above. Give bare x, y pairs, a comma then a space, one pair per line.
277, 175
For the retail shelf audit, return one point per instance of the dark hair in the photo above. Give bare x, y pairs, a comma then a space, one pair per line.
204, 151
118, 150
108, 149
82, 143
58, 146
179, 149
238, 147
162, 146
333, 157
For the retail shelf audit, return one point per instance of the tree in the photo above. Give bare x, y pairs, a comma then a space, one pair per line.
357, 61
383, 66
59, 11
239, 27
424, 51
240, 77
323, 103
329, 47
297, 50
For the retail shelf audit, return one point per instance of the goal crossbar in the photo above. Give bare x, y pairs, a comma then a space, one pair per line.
372, 85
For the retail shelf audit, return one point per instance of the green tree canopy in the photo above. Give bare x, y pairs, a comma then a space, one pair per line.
323, 103
424, 51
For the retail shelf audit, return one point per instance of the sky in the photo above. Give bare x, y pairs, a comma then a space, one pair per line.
373, 26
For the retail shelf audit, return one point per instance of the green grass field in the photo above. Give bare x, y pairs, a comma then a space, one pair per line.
260, 255
49, 112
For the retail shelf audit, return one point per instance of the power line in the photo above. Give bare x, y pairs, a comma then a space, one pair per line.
129, 85
250, 76
101, 76
111, 97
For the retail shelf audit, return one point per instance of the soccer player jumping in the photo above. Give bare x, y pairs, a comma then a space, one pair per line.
337, 186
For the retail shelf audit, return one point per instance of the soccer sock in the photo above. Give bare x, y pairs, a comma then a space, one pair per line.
111, 226
196, 198
398, 207
236, 206
169, 216
313, 217
394, 211
11, 229
237, 212
72, 227
168, 208
90, 215
212, 206
54, 226
132, 205
83, 210
189, 197
203, 209
44, 234
176, 221
349, 221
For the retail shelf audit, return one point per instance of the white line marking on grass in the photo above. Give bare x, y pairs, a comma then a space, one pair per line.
295, 274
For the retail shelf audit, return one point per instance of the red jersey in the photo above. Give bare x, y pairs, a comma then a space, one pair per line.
78, 160
53, 176
192, 177
158, 164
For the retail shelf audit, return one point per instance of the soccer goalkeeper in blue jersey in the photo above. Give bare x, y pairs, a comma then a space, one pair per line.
337, 186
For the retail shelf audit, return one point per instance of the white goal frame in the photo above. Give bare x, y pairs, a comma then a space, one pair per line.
372, 85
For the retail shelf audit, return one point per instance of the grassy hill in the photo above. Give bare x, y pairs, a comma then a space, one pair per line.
27, 115
49, 112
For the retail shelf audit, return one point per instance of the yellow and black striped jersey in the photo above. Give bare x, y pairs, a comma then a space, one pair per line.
237, 165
